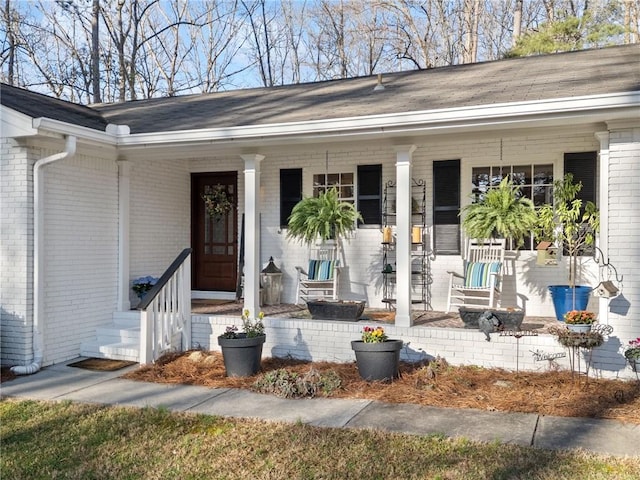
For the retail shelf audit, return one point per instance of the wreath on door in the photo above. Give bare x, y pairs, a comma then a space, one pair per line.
216, 200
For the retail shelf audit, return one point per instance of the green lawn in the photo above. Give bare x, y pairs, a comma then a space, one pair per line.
42, 440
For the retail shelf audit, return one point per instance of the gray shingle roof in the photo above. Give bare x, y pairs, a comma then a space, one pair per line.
37, 105
571, 74
588, 72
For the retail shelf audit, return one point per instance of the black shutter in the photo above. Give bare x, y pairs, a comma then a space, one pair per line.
446, 206
370, 193
290, 192
583, 167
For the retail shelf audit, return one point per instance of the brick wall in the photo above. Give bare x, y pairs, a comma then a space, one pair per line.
81, 252
321, 340
624, 231
16, 240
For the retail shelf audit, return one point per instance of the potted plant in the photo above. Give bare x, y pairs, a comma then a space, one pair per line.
579, 320
323, 218
242, 351
572, 226
501, 213
377, 357
632, 354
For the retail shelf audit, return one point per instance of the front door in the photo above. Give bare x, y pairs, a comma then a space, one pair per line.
214, 230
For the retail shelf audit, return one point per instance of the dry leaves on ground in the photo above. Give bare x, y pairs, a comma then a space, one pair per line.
436, 384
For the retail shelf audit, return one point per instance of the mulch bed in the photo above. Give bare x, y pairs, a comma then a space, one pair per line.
437, 384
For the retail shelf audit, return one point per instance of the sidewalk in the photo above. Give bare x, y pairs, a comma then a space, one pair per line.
60, 382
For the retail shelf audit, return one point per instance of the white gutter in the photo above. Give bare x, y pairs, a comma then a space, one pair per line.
38, 258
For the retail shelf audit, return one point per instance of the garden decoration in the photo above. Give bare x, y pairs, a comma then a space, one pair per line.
575, 341
377, 356
242, 351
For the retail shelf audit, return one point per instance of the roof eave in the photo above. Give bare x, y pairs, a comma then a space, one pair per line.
543, 112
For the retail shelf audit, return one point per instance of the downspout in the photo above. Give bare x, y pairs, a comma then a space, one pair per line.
38, 261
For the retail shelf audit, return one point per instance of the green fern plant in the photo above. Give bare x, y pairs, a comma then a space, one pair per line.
324, 217
503, 212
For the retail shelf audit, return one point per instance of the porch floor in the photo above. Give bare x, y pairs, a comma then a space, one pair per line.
429, 318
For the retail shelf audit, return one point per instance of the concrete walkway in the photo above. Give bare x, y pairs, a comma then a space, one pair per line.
60, 382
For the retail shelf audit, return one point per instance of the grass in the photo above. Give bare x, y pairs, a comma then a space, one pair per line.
43, 440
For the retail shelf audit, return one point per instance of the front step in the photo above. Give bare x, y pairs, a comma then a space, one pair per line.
121, 341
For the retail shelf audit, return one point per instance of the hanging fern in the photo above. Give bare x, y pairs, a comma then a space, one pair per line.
503, 212
324, 217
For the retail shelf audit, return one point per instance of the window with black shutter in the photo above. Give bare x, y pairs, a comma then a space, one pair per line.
583, 167
446, 206
290, 192
370, 194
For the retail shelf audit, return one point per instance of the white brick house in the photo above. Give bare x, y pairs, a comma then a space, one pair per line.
119, 185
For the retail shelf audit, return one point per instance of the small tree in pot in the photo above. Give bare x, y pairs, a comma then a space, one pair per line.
573, 227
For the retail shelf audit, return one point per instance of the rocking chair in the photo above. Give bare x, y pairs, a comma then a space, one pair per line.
320, 279
479, 286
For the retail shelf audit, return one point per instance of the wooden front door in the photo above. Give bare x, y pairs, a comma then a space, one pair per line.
214, 237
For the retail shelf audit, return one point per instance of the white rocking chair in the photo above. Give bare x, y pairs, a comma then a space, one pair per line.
320, 279
480, 284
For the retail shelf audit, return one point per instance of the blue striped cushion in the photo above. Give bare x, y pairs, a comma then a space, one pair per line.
477, 275
321, 269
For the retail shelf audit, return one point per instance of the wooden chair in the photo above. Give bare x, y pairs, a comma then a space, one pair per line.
479, 285
320, 279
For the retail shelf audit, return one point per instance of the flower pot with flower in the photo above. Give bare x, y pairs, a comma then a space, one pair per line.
242, 351
579, 320
377, 357
632, 354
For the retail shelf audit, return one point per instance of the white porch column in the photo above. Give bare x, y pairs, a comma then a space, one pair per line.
403, 230
124, 201
603, 202
252, 232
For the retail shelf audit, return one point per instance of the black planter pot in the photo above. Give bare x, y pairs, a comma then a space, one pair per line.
378, 361
335, 309
242, 355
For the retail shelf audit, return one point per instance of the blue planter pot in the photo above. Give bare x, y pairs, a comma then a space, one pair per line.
378, 361
242, 355
562, 296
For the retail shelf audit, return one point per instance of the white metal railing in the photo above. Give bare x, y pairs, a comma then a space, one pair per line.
165, 312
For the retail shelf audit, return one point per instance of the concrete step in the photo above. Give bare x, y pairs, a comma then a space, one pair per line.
114, 351
128, 319
117, 334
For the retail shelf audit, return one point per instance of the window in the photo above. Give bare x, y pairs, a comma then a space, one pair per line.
446, 205
535, 182
290, 192
370, 193
343, 182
